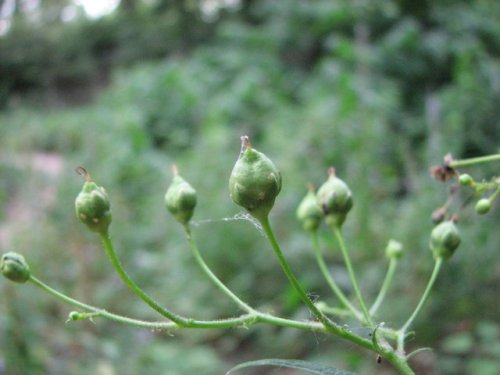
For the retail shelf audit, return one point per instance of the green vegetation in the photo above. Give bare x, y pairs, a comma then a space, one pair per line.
379, 90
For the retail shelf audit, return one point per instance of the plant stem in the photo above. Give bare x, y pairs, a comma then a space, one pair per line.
108, 246
244, 306
259, 316
400, 363
100, 312
472, 161
423, 299
350, 270
243, 320
328, 324
329, 279
494, 195
385, 286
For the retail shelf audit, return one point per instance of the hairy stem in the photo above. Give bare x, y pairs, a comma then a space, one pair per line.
329, 279
385, 286
352, 275
473, 161
108, 246
192, 243
423, 299
329, 325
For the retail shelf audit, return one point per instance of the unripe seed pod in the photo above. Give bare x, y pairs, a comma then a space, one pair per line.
255, 181
180, 199
309, 213
465, 180
483, 206
92, 205
445, 239
394, 249
335, 199
14, 267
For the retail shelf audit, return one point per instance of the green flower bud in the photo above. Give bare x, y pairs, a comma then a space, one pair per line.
445, 239
255, 181
92, 205
335, 199
483, 206
309, 213
465, 180
180, 198
14, 267
394, 249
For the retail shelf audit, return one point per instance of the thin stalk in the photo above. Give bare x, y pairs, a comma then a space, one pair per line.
108, 246
329, 279
100, 312
423, 299
329, 325
352, 275
473, 161
199, 259
385, 286
243, 320
494, 195
263, 317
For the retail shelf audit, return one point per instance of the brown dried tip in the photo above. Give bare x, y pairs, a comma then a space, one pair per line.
83, 172
454, 218
174, 170
443, 172
331, 171
245, 142
310, 187
439, 215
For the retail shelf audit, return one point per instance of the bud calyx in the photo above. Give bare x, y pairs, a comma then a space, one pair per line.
445, 239
180, 199
335, 199
255, 181
14, 267
309, 213
92, 205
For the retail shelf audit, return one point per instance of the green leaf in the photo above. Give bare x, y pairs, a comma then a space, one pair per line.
311, 367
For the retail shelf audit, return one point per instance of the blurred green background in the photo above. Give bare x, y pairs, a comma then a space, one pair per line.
379, 89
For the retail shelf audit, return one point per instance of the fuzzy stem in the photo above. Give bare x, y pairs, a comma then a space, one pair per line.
473, 161
329, 279
352, 275
100, 312
385, 286
423, 299
328, 324
108, 246
244, 306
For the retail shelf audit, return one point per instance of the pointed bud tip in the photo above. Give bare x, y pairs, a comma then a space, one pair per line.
81, 171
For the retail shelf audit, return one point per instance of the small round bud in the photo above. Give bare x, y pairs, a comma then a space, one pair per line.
445, 239
394, 249
180, 199
465, 180
74, 315
14, 267
92, 205
309, 213
335, 199
483, 206
255, 181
